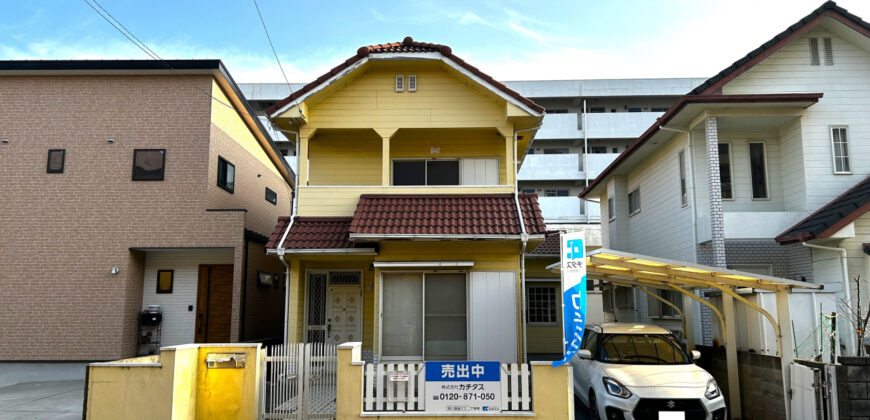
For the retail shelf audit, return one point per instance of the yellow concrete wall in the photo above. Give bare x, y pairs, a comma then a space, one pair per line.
552, 391
176, 385
342, 201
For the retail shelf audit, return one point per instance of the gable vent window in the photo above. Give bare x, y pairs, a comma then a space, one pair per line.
400, 82
829, 52
814, 51
412, 83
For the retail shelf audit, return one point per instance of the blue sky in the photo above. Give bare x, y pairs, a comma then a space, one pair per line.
509, 39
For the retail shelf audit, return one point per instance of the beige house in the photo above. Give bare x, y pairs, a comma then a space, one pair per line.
127, 184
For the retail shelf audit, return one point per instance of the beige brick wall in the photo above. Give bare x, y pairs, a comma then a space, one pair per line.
60, 234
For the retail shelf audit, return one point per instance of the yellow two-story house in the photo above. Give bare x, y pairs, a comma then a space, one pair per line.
408, 231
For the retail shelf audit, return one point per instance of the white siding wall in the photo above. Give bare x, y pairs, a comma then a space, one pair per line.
794, 187
846, 88
741, 177
663, 227
178, 322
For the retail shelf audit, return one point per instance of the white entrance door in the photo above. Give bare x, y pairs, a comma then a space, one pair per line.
344, 314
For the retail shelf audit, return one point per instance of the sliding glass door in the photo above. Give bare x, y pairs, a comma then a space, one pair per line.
425, 316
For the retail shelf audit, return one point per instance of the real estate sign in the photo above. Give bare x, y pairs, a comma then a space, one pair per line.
463, 387
573, 268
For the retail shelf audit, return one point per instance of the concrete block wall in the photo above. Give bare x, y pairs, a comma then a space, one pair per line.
761, 391
853, 387
787, 261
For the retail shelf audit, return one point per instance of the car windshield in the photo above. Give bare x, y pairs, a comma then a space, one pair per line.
642, 349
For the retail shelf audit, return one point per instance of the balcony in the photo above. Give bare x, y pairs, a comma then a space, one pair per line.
751, 224
598, 162
618, 125
560, 126
567, 210
550, 167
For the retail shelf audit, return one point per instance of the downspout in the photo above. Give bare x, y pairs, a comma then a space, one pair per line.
847, 294
586, 162
280, 250
524, 237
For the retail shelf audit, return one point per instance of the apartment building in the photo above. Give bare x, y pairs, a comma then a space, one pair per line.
149, 186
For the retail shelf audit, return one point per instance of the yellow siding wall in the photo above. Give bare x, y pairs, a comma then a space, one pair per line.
453, 144
441, 100
341, 201
228, 119
347, 159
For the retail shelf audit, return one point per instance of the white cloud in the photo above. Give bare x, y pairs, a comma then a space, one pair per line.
525, 31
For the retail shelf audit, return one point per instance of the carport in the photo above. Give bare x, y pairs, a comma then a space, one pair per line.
647, 273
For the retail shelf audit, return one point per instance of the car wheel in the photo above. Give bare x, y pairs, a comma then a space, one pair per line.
593, 406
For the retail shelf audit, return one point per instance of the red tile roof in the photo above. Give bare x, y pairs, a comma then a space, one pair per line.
832, 217
408, 45
438, 214
550, 246
313, 233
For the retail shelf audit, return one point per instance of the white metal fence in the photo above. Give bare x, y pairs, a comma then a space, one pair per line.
408, 394
299, 381
814, 392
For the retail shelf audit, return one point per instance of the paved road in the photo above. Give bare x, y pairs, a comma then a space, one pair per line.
42, 400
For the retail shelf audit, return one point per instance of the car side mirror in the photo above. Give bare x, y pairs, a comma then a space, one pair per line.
584, 354
696, 355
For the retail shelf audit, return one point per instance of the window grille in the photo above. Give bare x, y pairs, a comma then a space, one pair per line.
541, 307
344, 278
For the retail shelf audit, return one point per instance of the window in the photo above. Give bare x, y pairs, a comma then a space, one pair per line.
226, 175
597, 109
611, 209
598, 149
412, 83
615, 150
557, 111
634, 109
659, 109
556, 193
164, 281
148, 164
541, 305
672, 296
814, 51
400, 82
446, 172
409, 172
624, 297
528, 190
55, 161
758, 170
425, 316
645, 349
725, 171
840, 146
271, 196
684, 191
634, 202
556, 151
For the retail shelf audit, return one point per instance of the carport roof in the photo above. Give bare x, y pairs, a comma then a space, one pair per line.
642, 270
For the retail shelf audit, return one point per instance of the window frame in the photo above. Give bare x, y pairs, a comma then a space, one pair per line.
848, 156
765, 167
48, 169
162, 165
611, 209
634, 192
457, 159
684, 185
730, 170
224, 186
555, 308
274, 193
157, 288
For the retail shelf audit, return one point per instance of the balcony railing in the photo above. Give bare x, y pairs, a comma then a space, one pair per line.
551, 167
568, 210
616, 125
560, 126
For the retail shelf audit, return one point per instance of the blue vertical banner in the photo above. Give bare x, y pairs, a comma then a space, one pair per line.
573, 268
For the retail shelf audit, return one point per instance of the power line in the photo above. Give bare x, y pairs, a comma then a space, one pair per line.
275, 53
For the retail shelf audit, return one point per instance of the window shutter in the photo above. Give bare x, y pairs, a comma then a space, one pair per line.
412, 83
479, 171
829, 52
400, 82
814, 51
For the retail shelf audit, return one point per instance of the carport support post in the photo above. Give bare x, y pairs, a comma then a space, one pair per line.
786, 350
731, 357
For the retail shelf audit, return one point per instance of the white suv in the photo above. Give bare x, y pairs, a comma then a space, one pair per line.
637, 371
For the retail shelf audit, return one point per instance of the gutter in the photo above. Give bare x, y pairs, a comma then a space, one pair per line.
847, 294
524, 237
280, 251
437, 237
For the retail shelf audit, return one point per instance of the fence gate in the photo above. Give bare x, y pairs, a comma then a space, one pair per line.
814, 392
299, 381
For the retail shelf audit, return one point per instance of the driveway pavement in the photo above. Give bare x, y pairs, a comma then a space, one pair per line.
42, 400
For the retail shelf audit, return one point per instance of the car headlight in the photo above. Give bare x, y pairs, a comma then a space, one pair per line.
613, 387
712, 390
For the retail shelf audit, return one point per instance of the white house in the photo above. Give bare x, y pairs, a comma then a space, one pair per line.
758, 168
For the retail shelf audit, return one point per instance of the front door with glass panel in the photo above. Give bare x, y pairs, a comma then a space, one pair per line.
334, 309
424, 316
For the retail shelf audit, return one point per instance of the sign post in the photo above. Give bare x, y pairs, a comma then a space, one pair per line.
463, 387
573, 269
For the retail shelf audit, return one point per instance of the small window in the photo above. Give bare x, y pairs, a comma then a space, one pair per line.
556, 193
611, 210
725, 171
541, 305
814, 51
829, 52
624, 297
840, 145
556, 151
528, 191
758, 170
226, 175
412, 83
164, 281
400, 82
634, 109
615, 150
409, 172
659, 109
55, 161
598, 149
442, 172
148, 164
271, 196
671, 296
684, 190
634, 202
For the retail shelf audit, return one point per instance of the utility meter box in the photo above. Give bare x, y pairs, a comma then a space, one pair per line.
225, 360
